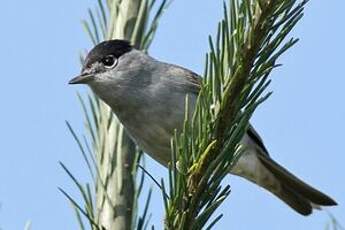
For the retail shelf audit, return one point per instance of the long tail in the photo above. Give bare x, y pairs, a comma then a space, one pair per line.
293, 191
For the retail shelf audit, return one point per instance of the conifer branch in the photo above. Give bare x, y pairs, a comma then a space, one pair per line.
245, 51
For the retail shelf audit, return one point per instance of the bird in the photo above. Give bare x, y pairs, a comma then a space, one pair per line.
148, 97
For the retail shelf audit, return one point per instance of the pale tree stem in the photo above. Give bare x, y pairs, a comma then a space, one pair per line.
116, 191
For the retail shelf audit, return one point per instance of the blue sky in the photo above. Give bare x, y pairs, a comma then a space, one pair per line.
302, 123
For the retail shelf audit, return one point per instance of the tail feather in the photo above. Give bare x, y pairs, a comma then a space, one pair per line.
257, 166
296, 193
295, 200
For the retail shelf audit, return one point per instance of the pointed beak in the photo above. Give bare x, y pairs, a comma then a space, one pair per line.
81, 79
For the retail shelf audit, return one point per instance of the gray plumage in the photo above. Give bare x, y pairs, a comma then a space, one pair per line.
148, 96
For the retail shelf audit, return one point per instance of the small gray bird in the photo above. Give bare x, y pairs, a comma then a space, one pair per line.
148, 97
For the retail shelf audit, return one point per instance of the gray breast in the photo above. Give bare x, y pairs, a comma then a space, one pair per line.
152, 124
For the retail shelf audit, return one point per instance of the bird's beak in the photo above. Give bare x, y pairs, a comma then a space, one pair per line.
81, 79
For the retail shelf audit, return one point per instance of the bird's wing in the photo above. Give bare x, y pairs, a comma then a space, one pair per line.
254, 136
193, 81
187, 79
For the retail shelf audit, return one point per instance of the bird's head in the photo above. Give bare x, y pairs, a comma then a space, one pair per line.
103, 61
114, 70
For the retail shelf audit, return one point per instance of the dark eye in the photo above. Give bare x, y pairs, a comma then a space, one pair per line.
109, 61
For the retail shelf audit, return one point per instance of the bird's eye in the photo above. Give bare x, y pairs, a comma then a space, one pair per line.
109, 61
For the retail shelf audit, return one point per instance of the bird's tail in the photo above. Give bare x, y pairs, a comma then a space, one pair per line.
293, 191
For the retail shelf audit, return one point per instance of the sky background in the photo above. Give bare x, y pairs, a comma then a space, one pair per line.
302, 123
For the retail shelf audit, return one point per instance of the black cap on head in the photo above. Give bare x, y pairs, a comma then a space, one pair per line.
115, 47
